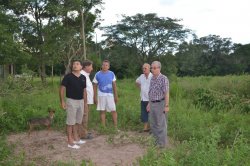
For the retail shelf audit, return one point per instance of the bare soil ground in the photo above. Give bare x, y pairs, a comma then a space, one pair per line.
103, 150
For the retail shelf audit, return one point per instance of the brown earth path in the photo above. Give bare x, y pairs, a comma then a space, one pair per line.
123, 148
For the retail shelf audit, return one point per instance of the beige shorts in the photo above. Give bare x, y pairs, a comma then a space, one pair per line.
106, 103
75, 110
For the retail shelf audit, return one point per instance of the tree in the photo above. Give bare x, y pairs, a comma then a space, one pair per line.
188, 56
11, 51
38, 16
123, 61
216, 52
149, 34
241, 58
207, 55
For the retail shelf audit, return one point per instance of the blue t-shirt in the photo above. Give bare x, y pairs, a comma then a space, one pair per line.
105, 81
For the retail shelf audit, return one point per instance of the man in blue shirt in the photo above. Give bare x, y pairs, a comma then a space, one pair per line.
107, 97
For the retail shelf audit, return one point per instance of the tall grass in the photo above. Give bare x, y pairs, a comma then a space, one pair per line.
239, 85
204, 133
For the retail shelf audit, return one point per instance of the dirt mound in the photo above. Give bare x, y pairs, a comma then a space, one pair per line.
103, 150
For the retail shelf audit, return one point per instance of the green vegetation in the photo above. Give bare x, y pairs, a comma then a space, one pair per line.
207, 131
44, 36
208, 119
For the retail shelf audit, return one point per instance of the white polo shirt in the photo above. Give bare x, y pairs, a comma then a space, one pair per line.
144, 82
89, 88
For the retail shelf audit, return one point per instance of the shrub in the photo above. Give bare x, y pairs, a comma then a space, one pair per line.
210, 99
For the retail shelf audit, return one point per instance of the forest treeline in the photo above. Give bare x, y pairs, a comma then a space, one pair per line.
41, 37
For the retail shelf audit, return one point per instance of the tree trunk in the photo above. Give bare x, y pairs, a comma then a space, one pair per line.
43, 73
67, 67
12, 69
52, 73
68, 64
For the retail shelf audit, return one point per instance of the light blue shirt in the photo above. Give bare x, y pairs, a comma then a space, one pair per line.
105, 82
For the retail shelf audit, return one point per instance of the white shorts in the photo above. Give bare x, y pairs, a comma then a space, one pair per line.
106, 103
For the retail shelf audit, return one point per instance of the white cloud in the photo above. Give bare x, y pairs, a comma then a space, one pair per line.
227, 18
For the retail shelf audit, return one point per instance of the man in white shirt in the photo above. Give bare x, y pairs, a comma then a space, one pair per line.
143, 82
87, 66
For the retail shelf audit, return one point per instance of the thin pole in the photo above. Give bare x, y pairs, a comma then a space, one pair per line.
83, 37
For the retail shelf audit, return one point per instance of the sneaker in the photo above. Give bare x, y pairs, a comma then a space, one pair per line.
73, 146
79, 142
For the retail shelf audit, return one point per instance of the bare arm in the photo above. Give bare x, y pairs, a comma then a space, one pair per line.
148, 107
138, 82
167, 101
61, 96
138, 85
95, 93
115, 91
85, 99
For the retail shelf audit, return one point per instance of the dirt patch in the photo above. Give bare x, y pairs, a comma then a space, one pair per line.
103, 150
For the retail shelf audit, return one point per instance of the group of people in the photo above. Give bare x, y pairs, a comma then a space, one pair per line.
102, 91
154, 88
81, 93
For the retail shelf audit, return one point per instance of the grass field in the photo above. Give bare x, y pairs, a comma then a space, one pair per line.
208, 119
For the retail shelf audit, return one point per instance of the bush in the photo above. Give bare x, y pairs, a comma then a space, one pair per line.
18, 84
203, 151
211, 99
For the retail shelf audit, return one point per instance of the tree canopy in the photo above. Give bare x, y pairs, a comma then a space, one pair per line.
40, 20
149, 34
11, 49
44, 33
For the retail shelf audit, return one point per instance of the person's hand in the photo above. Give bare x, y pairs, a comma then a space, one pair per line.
148, 108
63, 105
166, 109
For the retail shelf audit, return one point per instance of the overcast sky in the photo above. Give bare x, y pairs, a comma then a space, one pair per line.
226, 18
